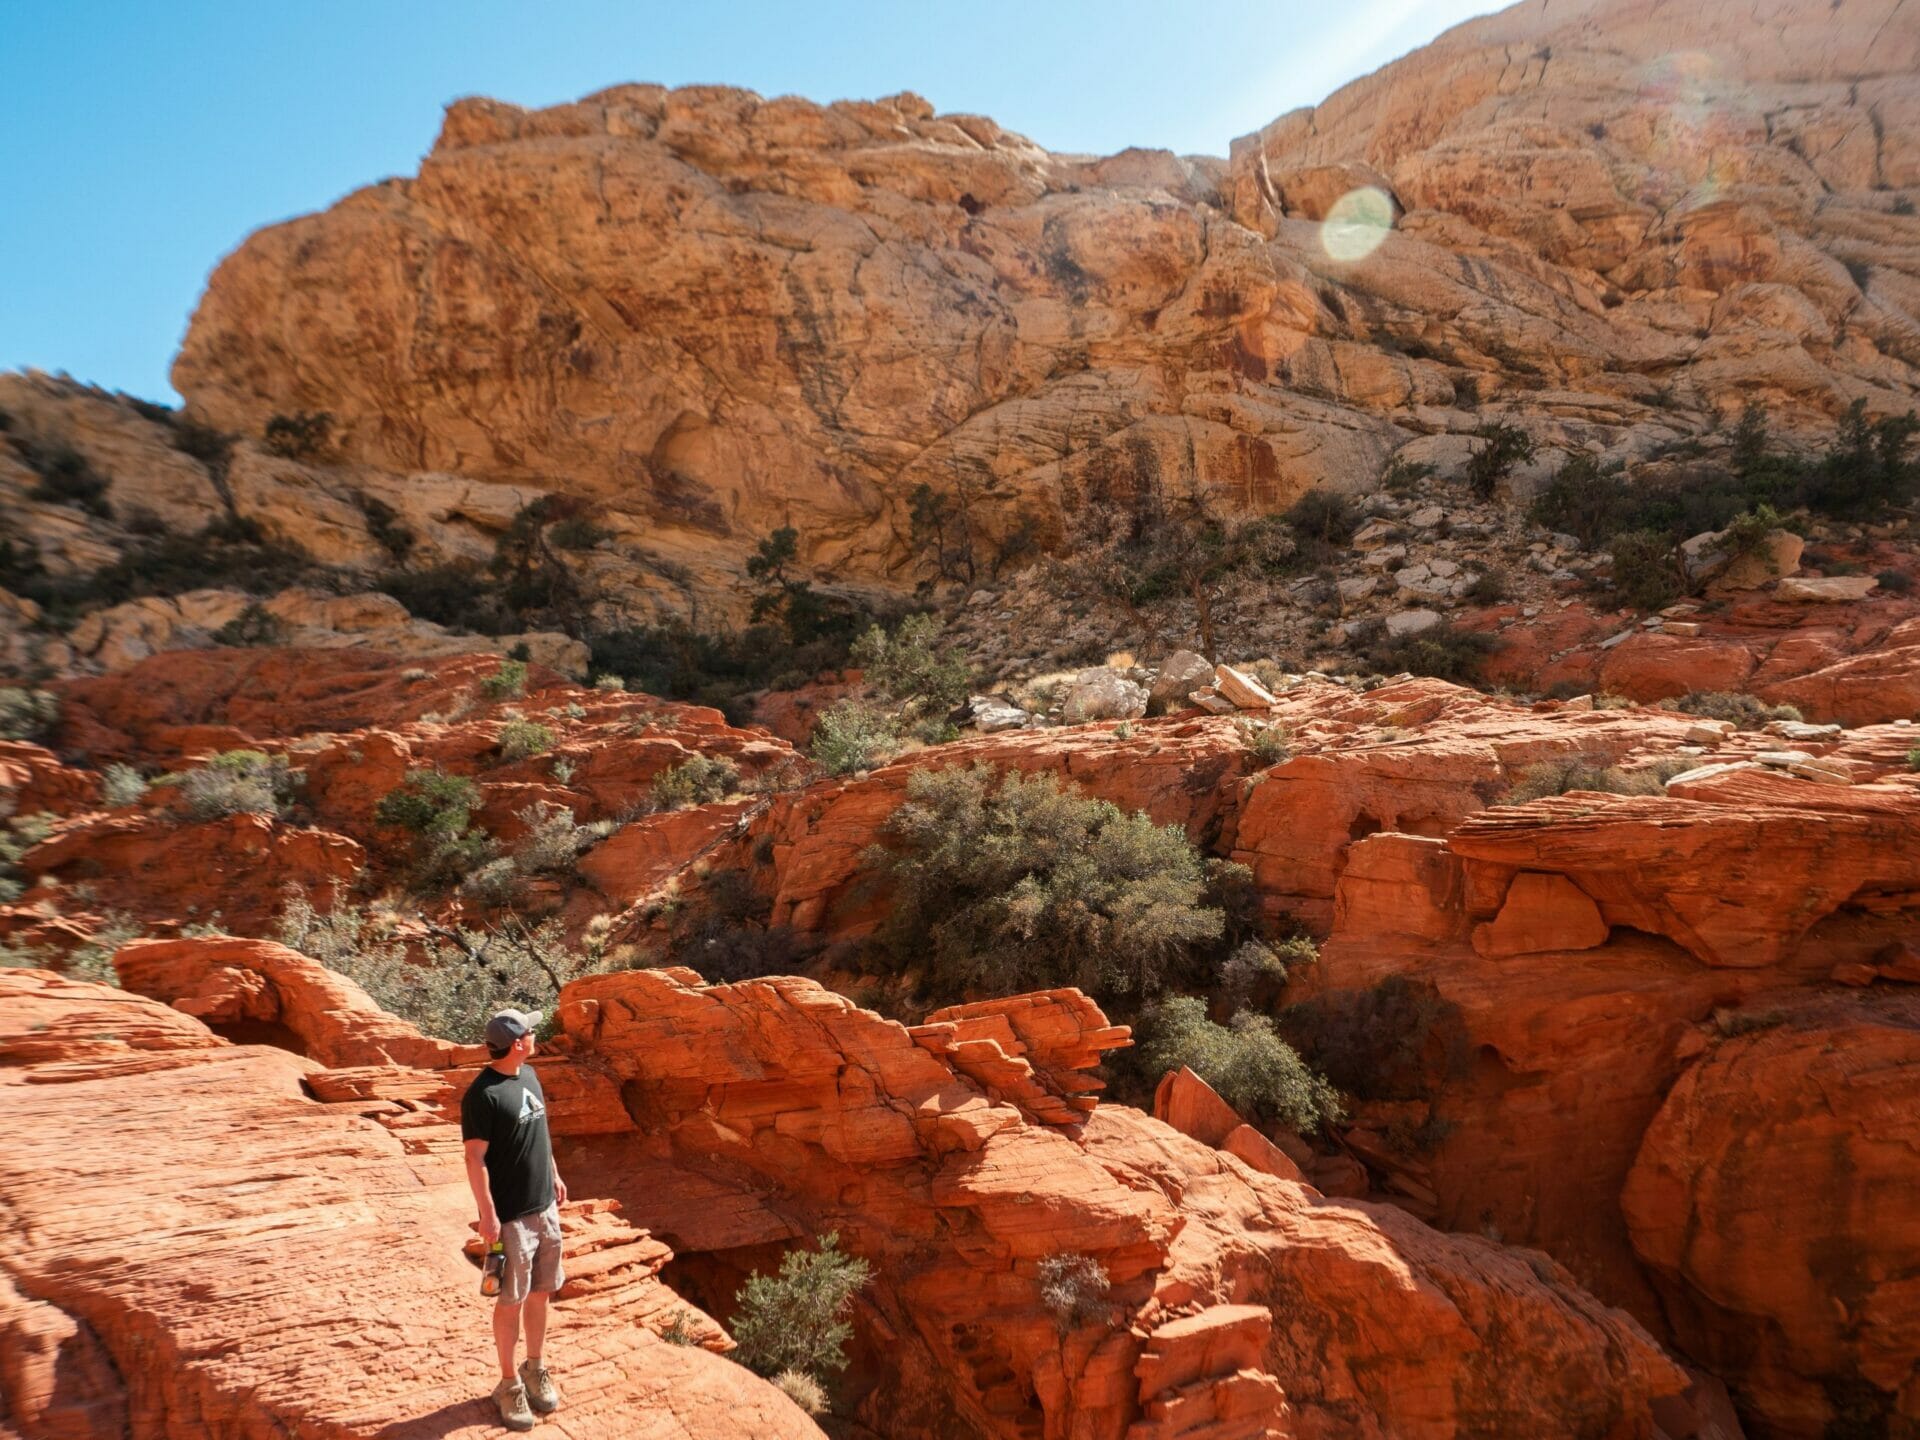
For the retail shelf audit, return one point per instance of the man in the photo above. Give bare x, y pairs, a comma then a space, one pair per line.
503, 1121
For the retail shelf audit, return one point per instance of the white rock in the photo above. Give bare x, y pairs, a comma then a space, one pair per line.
1212, 701
1179, 673
1359, 587
1579, 703
1241, 688
1832, 589
1102, 694
1412, 622
1427, 516
991, 714
1446, 569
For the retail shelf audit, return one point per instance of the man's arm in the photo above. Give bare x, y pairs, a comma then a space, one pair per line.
482, 1197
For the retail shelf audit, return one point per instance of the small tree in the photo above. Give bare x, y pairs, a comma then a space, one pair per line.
509, 682
437, 808
1502, 447
850, 736
908, 666
797, 1319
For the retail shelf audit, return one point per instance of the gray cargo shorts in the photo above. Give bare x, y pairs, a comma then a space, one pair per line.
533, 1256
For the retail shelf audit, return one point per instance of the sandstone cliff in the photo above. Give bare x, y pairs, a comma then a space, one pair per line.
712, 314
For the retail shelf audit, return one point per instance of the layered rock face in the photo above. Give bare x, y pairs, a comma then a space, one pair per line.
715, 314
179, 1204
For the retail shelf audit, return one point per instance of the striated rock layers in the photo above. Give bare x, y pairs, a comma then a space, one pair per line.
234, 1240
712, 314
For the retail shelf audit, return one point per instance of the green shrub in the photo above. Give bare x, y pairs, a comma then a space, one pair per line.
1074, 1289
1323, 517
1252, 1068
122, 785
430, 802
611, 684
797, 1319
17, 836
1558, 777
1502, 447
494, 883
239, 782
1397, 1040
1024, 884
28, 714
1646, 569
521, 739
303, 435
1255, 967
1746, 712
255, 626
463, 977
577, 532
1746, 533
908, 665
1895, 582
437, 809
850, 736
553, 840
698, 781
1265, 740
1442, 652
1913, 758
66, 478
509, 682
1489, 587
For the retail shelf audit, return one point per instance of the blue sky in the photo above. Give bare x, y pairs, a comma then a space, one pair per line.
141, 141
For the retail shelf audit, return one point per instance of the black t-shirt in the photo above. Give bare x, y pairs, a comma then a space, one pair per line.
509, 1112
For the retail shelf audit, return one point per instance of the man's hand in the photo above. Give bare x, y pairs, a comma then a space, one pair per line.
559, 1191
489, 1227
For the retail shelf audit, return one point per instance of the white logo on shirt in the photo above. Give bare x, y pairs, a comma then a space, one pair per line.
530, 1108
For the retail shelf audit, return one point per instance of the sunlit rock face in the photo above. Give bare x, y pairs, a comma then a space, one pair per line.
714, 314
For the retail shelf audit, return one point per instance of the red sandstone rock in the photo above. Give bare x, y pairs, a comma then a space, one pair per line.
1773, 1199
1542, 912
214, 1253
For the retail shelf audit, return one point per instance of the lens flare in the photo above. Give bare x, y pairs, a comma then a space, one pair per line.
1357, 223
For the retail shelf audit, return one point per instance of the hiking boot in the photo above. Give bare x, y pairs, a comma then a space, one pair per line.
511, 1397
541, 1393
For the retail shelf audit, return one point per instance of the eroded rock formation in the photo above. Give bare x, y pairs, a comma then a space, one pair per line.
714, 314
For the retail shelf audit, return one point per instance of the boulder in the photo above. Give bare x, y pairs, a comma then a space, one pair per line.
1402, 623
1102, 694
1178, 676
1828, 590
1241, 688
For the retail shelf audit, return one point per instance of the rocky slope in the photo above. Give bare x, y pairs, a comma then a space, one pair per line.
728, 1118
712, 314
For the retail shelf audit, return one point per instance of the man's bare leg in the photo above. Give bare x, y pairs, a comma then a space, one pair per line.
506, 1333
536, 1325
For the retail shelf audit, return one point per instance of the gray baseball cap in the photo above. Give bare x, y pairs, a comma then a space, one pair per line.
509, 1025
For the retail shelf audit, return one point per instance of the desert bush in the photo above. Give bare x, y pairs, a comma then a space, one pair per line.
522, 739
91, 961
1008, 883
1252, 1068
341, 937
19, 834
438, 809
303, 435
1646, 569
1489, 587
1913, 758
554, 839
578, 532
1324, 517
65, 477
494, 882
239, 782
700, 780
122, 785
1746, 712
796, 1320
803, 1390
907, 665
1265, 740
1073, 1289
850, 736
1441, 652
1579, 772
1502, 447
253, 627
509, 682
1256, 966
1747, 532
28, 714
1396, 1040
611, 684
1895, 582
463, 975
